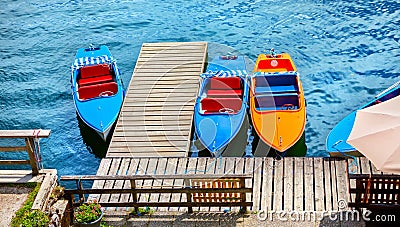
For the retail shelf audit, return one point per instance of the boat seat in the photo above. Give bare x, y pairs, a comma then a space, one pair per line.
276, 89
275, 65
93, 91
225, 93
95, 80
94, 70
277, 102
225, 83
213, 105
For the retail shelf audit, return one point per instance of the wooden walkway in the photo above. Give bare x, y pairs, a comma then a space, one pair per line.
156, 117
290, 184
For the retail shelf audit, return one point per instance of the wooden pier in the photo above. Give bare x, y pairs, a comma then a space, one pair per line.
290, 184
152, 138
156, 117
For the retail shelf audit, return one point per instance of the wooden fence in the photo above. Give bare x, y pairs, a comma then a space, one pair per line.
202, 190
29, 136
375, 191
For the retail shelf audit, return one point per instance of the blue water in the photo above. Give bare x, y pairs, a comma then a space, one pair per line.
346, 52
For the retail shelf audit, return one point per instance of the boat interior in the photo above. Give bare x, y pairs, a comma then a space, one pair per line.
96, 81
222, 95
273, 92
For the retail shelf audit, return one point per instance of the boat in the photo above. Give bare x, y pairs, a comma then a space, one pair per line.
221, 105
97, 88
277, 104
336, 141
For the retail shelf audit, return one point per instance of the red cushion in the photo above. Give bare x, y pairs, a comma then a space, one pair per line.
95, 70
95, 80
216, 104
93, 91
225, 83
225, 93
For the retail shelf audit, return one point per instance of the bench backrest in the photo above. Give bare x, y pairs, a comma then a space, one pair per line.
375, 191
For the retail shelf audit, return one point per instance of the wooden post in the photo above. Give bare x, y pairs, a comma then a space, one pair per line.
134, 196
80, 187
32, 159
188, 196
243, 194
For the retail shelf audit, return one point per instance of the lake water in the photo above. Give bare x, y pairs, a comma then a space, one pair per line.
346, 52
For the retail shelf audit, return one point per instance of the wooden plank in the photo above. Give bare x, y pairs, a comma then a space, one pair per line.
288, 185
175, 197
334, 185
152, 138
319, 185
150, 170
40, 133
172, 66
299, 184
173, 77
248, 169
327, 184
182, 118
278, 185
133, 168
141, 170
144, 155
171, 167
122, 170
160, 170
122, 136
239, 169
110, 183
15, 162
190, 170
365, 167
13, 149
46, 189
257, 183
104, 166
308, 184
342, 184
35, 164
202, 169
218, 167
353, 168
266, 189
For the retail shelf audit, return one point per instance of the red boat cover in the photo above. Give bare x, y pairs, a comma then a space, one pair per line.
95, 70
93, 91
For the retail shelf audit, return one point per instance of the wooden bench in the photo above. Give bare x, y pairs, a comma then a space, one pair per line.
375, 191
202, 190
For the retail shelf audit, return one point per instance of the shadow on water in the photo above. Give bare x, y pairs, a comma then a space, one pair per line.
92, 140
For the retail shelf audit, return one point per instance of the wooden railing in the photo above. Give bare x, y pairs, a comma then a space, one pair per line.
202, 190
29, 136
375, 191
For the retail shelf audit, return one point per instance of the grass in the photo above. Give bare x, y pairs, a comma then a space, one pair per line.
142, 211
24, 210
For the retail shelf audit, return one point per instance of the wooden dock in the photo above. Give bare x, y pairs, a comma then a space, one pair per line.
156, 117
290, 184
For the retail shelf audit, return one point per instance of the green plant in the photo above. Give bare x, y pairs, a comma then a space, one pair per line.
87, 213
142, 211
35, 218
25, 209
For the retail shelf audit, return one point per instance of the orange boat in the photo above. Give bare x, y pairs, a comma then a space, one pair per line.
277, 104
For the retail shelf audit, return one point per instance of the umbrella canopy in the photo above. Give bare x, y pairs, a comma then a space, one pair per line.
376, 134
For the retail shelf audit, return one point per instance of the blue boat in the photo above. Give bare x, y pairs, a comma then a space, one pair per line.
97, 88
336, 142
222, 102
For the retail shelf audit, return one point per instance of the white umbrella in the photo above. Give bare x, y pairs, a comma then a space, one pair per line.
376, 134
